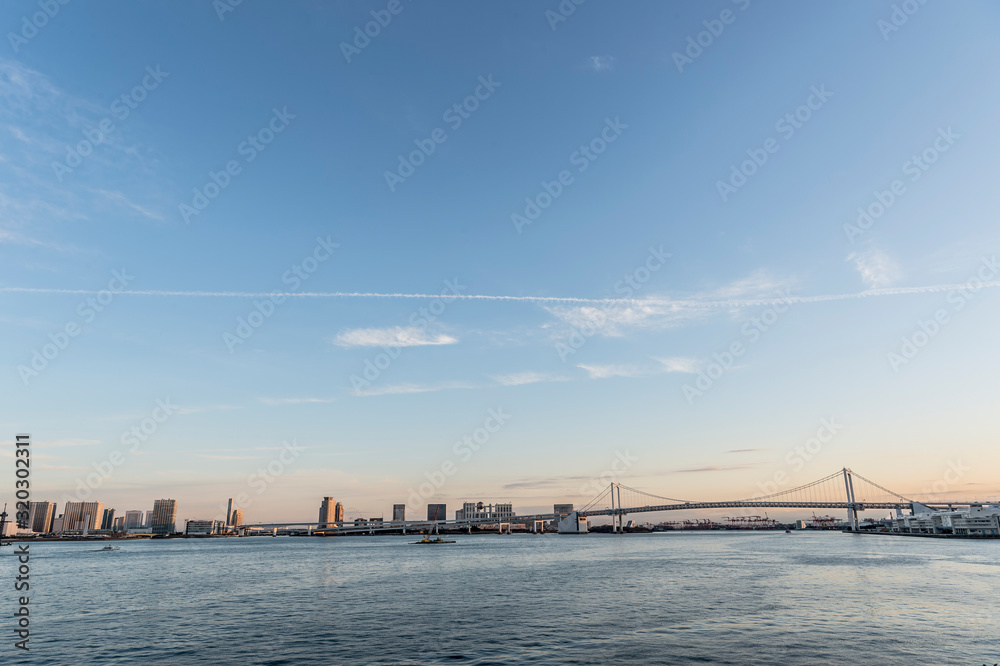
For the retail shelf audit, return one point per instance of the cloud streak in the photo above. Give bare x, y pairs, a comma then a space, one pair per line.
520, 378
395, 336
273, 402
690, 302
605, 371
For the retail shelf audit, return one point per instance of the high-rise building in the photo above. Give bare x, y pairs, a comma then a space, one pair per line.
562, 509
108, 519
82, 516
480, 511
468, 511
236, 519
399, 512
204, 527
148, 522
119, 524
328, 511
437, 512
40, 516
338, 513
164, 516
229, 512
133, 520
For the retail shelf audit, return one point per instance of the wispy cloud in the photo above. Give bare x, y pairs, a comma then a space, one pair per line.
744, 450
294, 401
550, 482
212, 456
680, 308
605, 371
121, 199
666, 365
757, 283
715, 468
615, 317
602, 63
519, 378
877, 269
681, 364
394, 336
398, 389
44, 121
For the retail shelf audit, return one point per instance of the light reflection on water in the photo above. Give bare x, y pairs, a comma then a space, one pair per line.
682, 598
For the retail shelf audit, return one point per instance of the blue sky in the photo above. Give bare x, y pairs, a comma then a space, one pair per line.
308, 138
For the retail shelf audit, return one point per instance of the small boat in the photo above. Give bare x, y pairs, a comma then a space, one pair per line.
788, 531
426, 540
111, 548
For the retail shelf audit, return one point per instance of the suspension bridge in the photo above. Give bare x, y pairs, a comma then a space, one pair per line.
844, 489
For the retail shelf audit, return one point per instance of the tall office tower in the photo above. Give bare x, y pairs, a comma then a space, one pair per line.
327, 512
562, 509
236, 518
40, 515
149, 518
468, 511
338, 513
133, 520
164, 516
399, 512
57, 524
82, 515
229, 512
119, 524
108, 519
437, 512
501, 511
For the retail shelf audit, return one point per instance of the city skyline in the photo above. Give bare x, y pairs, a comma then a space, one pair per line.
561, 261
332, 511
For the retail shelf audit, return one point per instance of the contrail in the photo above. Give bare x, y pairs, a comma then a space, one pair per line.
689, 303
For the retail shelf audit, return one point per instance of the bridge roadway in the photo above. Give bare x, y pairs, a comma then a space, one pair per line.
686, 506
416, 525
395, 525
